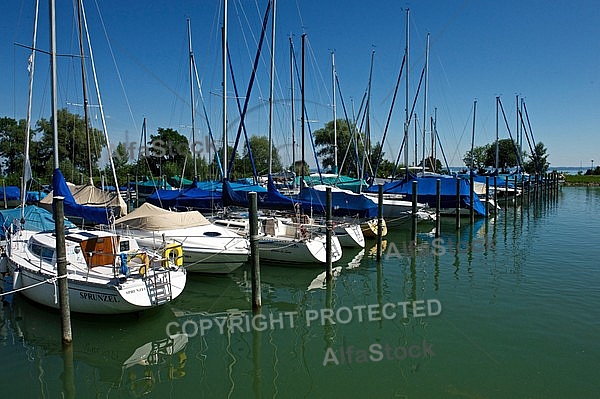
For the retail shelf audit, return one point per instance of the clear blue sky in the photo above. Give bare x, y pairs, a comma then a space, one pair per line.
547, 52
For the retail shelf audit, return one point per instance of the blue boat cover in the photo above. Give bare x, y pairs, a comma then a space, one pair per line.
164, 198
11, 193
426, 191
310, 200
36, 219
98, 215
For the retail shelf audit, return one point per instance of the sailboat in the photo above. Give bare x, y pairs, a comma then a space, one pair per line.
207, 248
89, 195
106, 273
279, 241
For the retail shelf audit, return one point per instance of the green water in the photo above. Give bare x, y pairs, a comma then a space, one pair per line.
519, 318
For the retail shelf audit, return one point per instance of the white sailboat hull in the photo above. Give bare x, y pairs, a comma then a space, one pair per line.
92, 298
93, 288
206, 249
289, 251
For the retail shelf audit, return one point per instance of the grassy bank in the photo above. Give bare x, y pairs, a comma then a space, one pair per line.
582, 180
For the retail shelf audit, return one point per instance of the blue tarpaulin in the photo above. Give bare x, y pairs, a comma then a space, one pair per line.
98, 215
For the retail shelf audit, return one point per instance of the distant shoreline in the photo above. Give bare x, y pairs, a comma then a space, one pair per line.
582, 180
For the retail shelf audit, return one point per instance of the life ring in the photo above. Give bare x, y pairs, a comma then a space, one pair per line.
172, 251
143, 256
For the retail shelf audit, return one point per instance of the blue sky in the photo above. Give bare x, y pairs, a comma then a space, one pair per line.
547, 52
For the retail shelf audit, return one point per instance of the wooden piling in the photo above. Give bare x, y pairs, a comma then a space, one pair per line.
457, 203
438, 204
413, 229
471, 198
496, 191
506, 193
328, 232
254, 256
61, 263
379, 221
487, 196
516, 203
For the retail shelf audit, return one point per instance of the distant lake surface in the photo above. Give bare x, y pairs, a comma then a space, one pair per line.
505, 308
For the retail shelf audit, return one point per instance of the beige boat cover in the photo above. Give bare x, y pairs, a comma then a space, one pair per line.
152, 218
89, 195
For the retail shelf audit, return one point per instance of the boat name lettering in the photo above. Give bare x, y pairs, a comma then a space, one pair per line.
98, 297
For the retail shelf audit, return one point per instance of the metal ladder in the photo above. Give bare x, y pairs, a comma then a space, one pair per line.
159, 287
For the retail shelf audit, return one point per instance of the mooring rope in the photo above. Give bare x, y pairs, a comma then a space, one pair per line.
50, 281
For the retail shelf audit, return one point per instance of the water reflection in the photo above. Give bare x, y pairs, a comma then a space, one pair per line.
128, 354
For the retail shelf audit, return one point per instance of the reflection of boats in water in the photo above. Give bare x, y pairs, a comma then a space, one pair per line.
124, 353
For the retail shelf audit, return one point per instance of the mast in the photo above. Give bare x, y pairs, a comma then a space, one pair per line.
302, 106
101, 107
473, 137
335, 146
517, 130
367, 149
26, 163
192, 100
271, 89
407, 99
225, 149
293, 116
496, 155
425, 101
85, 96
53, 83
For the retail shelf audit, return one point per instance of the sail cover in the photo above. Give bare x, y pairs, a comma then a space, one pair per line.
152, 218
98, 215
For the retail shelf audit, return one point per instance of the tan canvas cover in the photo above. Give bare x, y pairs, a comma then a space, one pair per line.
150, 217
90, 196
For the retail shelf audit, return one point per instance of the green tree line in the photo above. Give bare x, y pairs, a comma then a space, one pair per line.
167, 153
484, 157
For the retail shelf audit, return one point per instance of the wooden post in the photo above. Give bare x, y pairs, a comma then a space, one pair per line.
414, 212
438, 204
516, 195
487, 196
496, 191
328, 232
379, 221
471, 198
61, 262
254, 257
457, 203
506, 192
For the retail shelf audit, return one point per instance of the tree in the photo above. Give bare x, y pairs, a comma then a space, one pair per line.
12, 139
429, 162
385, 167
166, 153
72, 144
538, 161
485, 156
260, 153
324, 140
297, 168
478, 159
507, 155
123, 167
